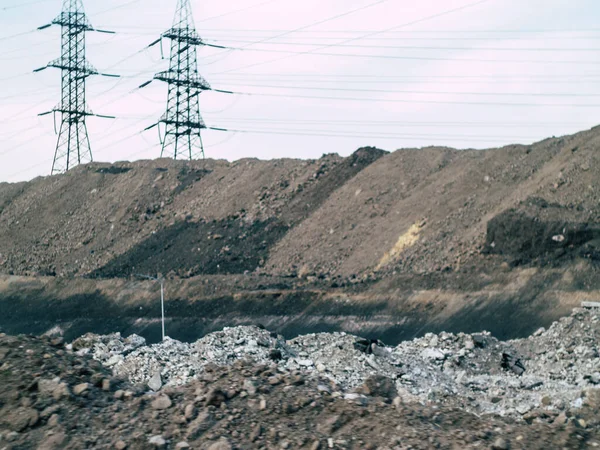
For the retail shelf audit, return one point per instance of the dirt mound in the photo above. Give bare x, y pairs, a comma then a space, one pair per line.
99, 219
372, 213
51, 398
363, 217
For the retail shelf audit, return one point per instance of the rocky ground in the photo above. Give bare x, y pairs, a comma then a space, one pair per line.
405, 242
545, 377
52, 398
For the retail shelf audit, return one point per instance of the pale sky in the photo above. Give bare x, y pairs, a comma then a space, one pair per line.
324, 79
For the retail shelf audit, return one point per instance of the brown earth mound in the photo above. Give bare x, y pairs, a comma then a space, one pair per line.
370, 214
367, 215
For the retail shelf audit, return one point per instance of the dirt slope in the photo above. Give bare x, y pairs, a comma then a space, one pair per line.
368, 215
427, 209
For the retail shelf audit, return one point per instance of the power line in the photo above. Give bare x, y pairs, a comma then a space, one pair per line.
20, 5
414, 22
325, 133
12, 36
320, 22
433, 102
256, 5
393, 91
419, 77
391, 31
124, 5
412, 47
385, 81
403, 123
397, 57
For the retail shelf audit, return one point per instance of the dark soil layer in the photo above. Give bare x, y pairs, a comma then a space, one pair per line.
392, 311
51, 399
524, 238
192, 248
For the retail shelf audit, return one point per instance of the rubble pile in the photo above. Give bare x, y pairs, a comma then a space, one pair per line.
109, 349
224, 347
51, 398
335, 357
539, 377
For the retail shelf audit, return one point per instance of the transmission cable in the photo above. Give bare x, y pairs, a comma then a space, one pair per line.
434, 102
402, 47
392, 91
329, 19
375, 33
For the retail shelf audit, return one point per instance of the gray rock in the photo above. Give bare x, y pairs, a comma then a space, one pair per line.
155, 382
500, 444
204, 422
221, 444
157, 441
190, 412
81, 388
161, 402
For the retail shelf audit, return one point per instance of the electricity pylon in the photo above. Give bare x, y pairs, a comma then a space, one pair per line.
73, 146
182, 120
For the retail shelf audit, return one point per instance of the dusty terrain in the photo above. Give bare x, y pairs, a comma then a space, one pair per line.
422, 249
368, 215
51, 398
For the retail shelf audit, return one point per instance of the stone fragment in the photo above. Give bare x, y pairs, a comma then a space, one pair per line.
161, 402
54, 420
106, 384
500, 444
21, 419
250, 387
155, 382
55, 441
120, 445
53, 387
12, 436
204, 422
379, 386
157, 442
256, 433
190, 412
331, 424
221, 444
512, 363
215, 397
81, 388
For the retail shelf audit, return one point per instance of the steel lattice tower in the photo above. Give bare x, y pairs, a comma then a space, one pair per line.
73, 146
183, 122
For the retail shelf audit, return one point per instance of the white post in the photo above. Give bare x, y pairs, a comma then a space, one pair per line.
162, 307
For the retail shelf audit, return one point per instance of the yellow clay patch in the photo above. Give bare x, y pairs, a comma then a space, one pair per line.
407, 240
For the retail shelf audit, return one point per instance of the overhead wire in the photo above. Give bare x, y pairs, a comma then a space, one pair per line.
435, 102
324, 133
374, 33
412, 47
320, 22
393, 91
20, 5
398, 57
401, 123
